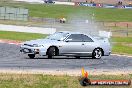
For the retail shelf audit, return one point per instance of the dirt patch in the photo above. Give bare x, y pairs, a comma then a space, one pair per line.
66, 72
16, 42
127, 44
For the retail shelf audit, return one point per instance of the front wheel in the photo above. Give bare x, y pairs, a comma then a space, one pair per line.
51, 52
31, 56
97, 53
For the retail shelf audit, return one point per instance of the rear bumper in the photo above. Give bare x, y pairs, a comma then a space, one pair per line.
107, 53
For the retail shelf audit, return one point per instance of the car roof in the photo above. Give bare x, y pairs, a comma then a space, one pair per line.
69, 32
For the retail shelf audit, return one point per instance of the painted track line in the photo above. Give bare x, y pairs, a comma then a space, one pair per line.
122, 55
11, 42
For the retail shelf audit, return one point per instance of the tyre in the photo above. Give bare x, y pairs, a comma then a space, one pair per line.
97, 53
51, 52
77, 57
31, 56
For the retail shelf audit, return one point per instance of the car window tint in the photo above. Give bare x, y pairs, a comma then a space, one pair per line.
75, 38
87, 39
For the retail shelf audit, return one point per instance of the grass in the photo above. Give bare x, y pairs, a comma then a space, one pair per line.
122, 45
20, 36
104, 14
57, 11
122, 39
48, 81
122, 49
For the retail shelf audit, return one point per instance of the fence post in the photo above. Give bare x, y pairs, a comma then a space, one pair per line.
103, 23
127, 29
127, 25
115, 24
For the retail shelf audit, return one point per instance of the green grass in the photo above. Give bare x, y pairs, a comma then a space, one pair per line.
48, 81
122, 45
122, 39
104, 14
20, 36
121, 49
57, 11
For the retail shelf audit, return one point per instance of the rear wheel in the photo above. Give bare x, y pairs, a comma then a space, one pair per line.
31, 56
51, 52
97, 53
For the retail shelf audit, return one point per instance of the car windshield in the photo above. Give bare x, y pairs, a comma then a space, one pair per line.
58, 36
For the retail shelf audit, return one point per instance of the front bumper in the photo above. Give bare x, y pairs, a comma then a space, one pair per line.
28, 51
32, 50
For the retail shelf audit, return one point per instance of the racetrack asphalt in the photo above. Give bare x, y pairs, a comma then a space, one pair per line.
11, 58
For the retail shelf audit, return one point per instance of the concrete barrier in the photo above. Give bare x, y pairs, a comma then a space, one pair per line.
27, 29
31, 1
64, 3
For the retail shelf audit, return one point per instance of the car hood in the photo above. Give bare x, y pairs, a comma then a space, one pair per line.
41, 42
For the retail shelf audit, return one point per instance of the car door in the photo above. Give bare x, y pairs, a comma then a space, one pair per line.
89, 44
72, 45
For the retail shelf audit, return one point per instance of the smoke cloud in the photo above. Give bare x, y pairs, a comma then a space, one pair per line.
82, 22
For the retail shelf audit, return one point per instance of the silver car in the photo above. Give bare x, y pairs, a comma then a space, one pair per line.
67, 44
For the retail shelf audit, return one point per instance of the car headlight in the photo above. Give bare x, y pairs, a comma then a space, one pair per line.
36, 45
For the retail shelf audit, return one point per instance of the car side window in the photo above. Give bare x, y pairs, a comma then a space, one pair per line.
75, 38
87, 39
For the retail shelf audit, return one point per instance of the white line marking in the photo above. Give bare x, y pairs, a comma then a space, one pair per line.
122, 55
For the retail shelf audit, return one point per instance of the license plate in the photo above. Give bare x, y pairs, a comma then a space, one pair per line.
26, 50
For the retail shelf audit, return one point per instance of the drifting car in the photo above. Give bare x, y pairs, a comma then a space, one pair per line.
67, 44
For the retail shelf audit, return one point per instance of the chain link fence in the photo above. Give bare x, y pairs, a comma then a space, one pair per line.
11, 13
117, 28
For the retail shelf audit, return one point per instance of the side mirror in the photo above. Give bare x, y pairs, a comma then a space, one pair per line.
68, 40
